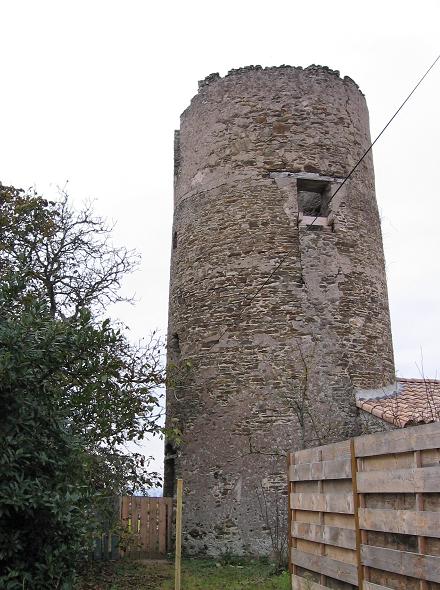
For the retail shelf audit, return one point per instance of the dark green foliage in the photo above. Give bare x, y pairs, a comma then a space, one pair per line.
73, 389
109, 389
43, 493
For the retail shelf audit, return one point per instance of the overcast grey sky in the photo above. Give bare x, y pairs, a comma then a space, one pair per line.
91, 92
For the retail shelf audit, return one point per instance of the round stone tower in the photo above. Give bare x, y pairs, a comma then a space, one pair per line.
278, 301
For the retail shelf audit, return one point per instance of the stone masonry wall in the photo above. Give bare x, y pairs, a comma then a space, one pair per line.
280, 373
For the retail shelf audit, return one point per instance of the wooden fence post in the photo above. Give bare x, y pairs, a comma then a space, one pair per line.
289, 514
356, 512
178, 534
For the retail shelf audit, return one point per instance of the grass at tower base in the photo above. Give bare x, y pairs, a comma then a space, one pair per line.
197, 574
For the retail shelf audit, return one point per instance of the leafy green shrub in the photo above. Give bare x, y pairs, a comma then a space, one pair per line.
73, 389
108, 387
43, 496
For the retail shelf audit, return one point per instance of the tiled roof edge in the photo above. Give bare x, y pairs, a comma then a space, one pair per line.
380, 413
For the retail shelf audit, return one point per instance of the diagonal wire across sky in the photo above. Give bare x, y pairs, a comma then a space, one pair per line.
247, 302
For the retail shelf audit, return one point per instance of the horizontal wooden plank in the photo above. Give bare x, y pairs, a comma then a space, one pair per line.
330, 535
413, 480
324, 453
416, 438
335, 469
415, 565
338, 553
339, 570
405, 522
322, 502
371, 586
299, 583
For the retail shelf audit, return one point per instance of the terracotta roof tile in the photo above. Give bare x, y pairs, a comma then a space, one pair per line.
412, 401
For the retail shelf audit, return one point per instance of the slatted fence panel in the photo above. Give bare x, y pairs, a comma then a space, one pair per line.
106, 544
323, 536
398, 486
365, 513
106, 547
147, 522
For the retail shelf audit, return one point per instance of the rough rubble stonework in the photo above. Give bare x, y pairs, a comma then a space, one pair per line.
281, 372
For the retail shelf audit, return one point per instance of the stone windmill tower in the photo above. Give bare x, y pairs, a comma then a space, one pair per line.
258, 156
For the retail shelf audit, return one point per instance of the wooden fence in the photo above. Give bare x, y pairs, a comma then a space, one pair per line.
106, 547
145, 530
148, 524
365, 513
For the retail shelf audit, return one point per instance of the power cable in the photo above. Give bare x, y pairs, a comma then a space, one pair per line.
245, 304
380, 134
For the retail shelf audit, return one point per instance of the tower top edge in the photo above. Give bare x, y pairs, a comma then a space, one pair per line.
313, 70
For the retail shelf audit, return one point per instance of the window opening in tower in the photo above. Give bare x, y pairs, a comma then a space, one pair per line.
313, 197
